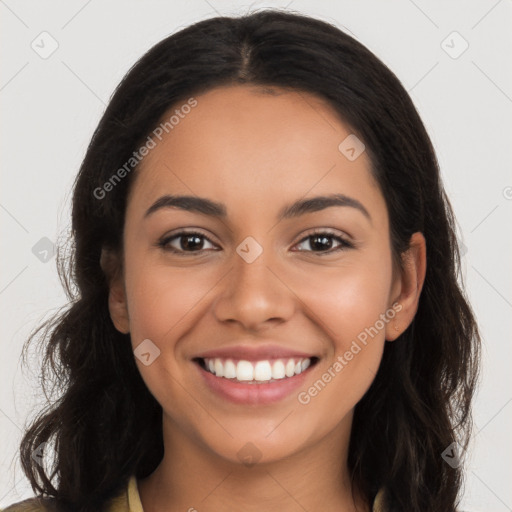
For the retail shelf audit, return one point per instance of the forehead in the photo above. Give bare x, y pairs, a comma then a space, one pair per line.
244, 143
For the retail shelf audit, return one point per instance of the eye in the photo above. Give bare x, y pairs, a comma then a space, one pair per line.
322, 242
185, 241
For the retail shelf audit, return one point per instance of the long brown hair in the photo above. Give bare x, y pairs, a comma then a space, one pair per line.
106, 426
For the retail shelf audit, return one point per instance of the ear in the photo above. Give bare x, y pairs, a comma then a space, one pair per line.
407, 286
111, 265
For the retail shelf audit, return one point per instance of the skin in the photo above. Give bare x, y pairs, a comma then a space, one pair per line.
256, 153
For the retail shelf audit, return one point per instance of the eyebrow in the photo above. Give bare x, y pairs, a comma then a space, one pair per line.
214, 209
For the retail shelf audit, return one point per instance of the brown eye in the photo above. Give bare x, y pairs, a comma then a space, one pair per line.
323, 242
183, 242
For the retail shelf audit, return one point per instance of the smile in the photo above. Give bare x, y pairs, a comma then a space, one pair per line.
256, 372
256, 382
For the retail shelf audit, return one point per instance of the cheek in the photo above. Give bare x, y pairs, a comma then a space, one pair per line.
345, 300
349, 307
160, 299
162, 305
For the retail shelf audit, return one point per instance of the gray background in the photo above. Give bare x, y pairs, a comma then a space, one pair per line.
50, 107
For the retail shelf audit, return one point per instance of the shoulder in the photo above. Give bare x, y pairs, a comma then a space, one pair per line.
32, 505
378, 503
117, 504
126, 501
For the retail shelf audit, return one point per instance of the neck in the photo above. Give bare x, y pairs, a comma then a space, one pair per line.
192, 477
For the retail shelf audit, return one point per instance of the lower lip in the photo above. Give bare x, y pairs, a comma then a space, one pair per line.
258, 394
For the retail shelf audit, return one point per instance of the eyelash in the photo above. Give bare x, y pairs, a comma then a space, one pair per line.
343, 243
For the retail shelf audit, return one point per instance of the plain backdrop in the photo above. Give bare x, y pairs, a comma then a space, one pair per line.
51, 103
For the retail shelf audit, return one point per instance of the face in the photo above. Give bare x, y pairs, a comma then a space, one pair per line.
251, 287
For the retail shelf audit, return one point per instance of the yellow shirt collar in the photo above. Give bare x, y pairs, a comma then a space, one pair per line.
132, 501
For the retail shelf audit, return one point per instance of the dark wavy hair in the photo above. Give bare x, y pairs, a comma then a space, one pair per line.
104, 425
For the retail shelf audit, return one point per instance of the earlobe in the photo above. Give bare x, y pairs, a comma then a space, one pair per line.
117, 303
411, 279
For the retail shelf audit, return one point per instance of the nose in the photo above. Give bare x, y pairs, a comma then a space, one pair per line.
255, 295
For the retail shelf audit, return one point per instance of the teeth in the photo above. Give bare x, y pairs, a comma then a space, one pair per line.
244, 370
290, 368
229, 370
305, 364
262, 371
278, 371
258, 371
219, 368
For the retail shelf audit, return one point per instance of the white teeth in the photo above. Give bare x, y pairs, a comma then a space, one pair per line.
290, 368
244, 370
278, 371
262, 371
229, 369
258, 371
219, 368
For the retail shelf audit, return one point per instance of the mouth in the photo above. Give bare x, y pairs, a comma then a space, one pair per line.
254, 382
264, 371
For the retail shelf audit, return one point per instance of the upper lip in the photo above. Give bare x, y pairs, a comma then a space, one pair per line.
253, 353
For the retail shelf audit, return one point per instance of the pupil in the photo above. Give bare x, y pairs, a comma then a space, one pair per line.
190, 240
324, 240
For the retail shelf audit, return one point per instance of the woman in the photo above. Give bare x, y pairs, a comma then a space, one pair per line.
266, 312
